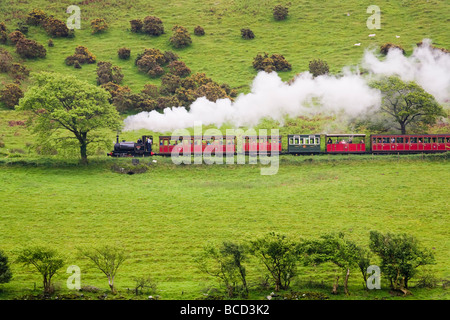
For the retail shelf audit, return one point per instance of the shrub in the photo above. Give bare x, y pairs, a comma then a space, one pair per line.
3, 27
318, 67
170, 56
169, 84
195, 80
18, 71
153, 26
247, 34
150, 62
55, 27
185, 96
3, 37
124, 53
179, 68
166, 102
199, 31
150, 90
36, 17
115, 90
82, 55
155, 72
15, 36
275, 62
280, 12
106, 72
5, 271
5, 60
10, 95
180, 37
136, 25
28, 48
22, 27
384, 49
99, 25
212, 91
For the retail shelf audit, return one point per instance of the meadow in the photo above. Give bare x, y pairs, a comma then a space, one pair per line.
165, 216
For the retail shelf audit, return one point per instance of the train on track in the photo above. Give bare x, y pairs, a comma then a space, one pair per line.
297, 144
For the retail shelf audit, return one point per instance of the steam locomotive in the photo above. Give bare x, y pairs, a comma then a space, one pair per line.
296, 144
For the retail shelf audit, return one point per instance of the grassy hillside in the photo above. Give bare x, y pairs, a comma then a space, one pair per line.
314, 29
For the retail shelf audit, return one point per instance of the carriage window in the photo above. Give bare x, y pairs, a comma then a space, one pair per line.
448, 139
306, 141
385, 140
441, 140
413, 140
317, 140
399, 140
426, 140
297, 141
406, 140
433, 139
291, 141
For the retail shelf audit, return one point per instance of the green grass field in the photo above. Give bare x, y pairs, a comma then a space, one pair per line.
165, 216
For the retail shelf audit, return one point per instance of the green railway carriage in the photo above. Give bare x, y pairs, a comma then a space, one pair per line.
303, 143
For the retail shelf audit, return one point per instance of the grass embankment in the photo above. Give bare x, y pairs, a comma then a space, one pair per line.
165, 216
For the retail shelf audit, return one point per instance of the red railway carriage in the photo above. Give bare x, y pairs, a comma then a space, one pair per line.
388, 143
256, 144
345, 143
196, 144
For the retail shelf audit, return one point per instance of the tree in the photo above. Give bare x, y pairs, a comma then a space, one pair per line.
46, 261
407, 103
279, 255
5, 271
62, 102
336, 249
226, 264
108, 259
400, 257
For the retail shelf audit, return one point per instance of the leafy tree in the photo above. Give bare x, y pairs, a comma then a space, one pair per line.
407, 103
400, 256
226, 264
336, 249
279, 255
5, 271
62, 102
107, 259
46, 261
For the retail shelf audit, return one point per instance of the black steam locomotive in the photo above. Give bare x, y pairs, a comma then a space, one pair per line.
141, 148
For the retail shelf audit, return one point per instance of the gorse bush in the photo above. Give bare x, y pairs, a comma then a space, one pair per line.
28, 48
384, 49
82, 56
180, 37
280, 12
124, 53
136, 25
15, 36
6, 60
179, 68
276, 62
247, 34
106, 72
10, 95
318, 67
36, 17
199, 31
55, 27
99, 25
153, 26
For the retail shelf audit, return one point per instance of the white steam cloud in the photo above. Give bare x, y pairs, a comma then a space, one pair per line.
270, 97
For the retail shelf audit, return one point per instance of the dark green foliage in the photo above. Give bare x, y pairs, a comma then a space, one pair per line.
106, 72
179, 68
50, 43
279, 256
82, 55
400, 256
169, 84
384, 49
3, 37
136, 25
180, 37
170, 56
276, 62
166, 102
153, 26
124, 53
115, 90
55, 27
280, 12
199, 31
28, 48
36, 17
5, 271
22, 27
150, 90
15, 36
18, 71
212, 91
99, 25
247, 34
6, 60
318, 67
152, 60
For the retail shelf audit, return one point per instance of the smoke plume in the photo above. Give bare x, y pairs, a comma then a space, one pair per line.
270, 97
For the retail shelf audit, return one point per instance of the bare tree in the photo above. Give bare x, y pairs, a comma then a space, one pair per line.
108, 259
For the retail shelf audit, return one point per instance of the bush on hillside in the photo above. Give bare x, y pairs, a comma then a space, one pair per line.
55, 27
153, 26
10, 95
22, 27
280, 12
6, 60
151, 90
247, 34
18, 71
212, 91
28, 48
115, 90
124, 53
180, 37
318, 67
106, 72
50, 43
169, 84
199, 31
3, 37
82, 55
179, 68
99, 25
384, 49
170, 56
136, 25
276, 62
36, 17
15, 36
